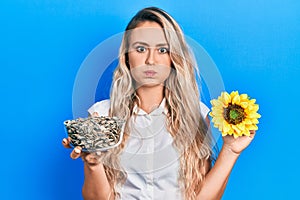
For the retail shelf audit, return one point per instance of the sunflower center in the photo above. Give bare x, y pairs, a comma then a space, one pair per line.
234, 114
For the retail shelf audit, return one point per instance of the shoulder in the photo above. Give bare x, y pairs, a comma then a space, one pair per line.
101, 107
204, 110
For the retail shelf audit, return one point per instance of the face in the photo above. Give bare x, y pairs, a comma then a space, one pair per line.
149, 58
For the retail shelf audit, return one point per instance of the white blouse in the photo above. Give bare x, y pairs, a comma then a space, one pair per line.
149, 158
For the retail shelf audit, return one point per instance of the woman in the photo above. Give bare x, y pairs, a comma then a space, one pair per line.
166, 151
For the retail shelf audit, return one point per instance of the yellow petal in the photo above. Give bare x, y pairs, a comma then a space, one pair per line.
236, 129
220, 128
252, 127
236, 100
254, 115
252, 101
254, 121
219, 120
226, 127
247, 133
214, 120
233, 94
216, 126
241, 133
250, 107
241, 126
255, 108
226, 98
216, 103
247, 121
217, 114
244, 104
217, 110
244, 97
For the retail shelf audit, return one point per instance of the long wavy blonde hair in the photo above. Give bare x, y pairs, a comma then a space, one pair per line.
184, 121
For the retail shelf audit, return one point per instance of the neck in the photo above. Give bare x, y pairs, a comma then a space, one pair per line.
150, 97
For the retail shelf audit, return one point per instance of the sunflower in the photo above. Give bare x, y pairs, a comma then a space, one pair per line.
234, 114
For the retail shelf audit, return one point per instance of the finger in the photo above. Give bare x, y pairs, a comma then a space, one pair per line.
66, 143
95, 114
252, 133
92, 158
76, 153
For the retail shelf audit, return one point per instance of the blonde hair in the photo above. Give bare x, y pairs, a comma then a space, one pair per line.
184, 120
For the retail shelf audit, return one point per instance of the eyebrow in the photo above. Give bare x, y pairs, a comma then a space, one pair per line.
146, 44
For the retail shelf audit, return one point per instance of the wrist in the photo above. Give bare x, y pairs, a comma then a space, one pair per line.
93, 167
228, 150
92, 160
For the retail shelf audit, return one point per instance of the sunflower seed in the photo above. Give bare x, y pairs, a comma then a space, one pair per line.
94, 133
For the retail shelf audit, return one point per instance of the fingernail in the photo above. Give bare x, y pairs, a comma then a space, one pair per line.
95, 114
77, 150
65, 141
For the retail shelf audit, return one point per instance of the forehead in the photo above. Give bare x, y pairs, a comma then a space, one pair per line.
148, 32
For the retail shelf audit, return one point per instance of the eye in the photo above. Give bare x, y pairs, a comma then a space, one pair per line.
163, 50
140, 49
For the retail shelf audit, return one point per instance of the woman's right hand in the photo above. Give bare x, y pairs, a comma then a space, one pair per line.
90, 159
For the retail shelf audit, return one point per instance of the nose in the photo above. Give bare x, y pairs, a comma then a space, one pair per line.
150, 60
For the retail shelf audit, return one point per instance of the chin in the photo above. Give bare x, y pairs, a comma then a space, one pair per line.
150, 84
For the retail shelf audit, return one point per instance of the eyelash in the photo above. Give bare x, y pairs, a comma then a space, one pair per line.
164, 48
138, 49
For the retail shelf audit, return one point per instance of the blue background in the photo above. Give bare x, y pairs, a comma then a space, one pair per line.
254, 43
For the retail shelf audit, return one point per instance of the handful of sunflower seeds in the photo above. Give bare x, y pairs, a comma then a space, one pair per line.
95, 133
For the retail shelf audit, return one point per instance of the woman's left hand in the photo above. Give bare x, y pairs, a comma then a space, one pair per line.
237, 145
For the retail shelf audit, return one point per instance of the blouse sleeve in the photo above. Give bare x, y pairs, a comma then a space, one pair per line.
101, 107
204, 110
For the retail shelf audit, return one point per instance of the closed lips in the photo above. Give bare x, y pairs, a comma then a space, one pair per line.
150, 72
